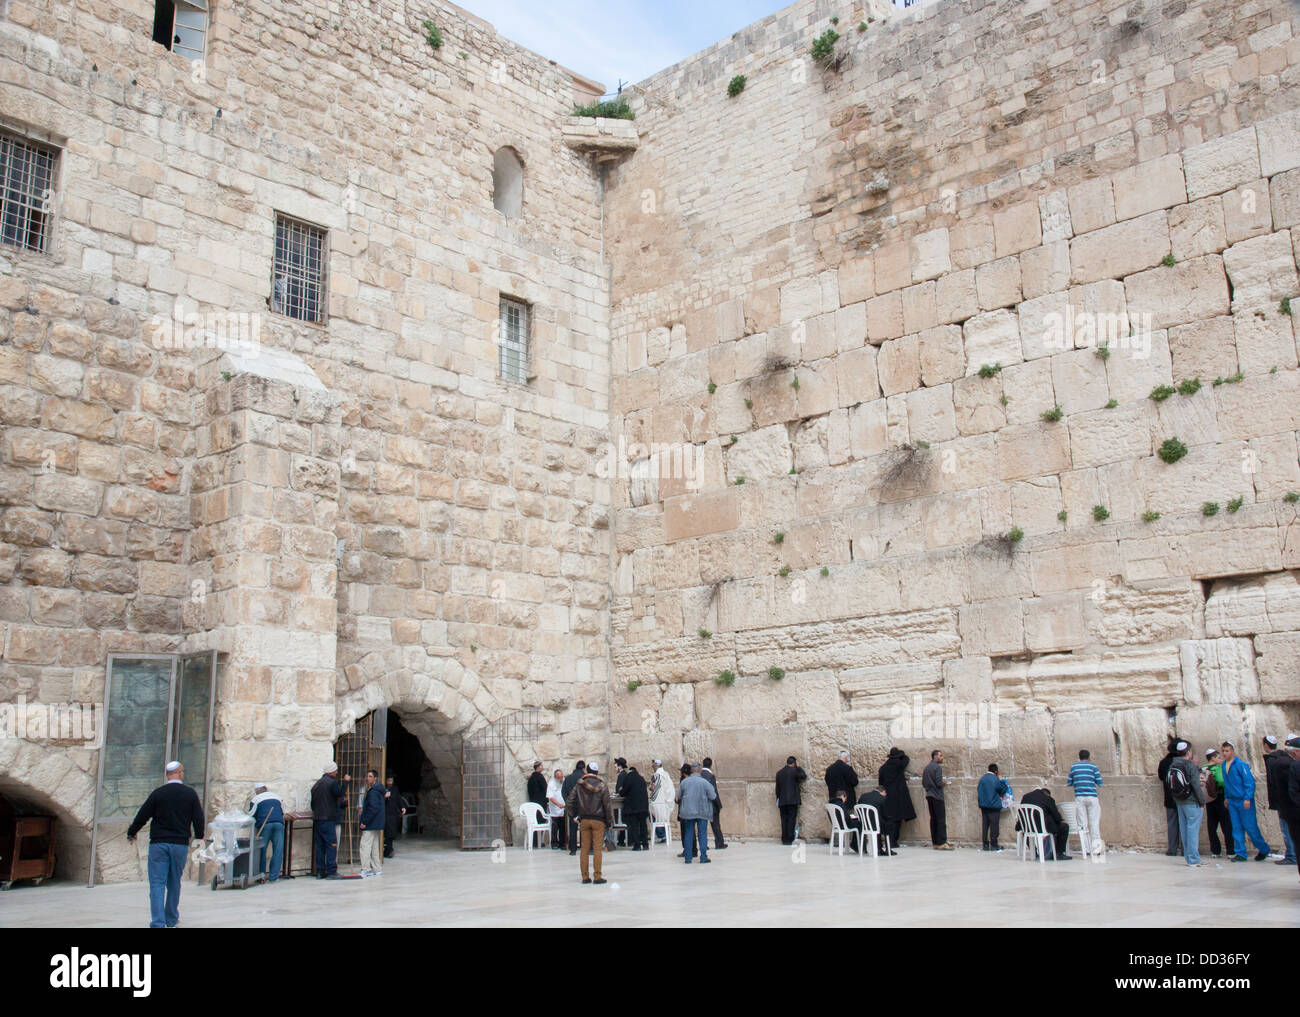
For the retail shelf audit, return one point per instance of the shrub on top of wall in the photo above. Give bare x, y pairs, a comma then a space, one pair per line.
615, 109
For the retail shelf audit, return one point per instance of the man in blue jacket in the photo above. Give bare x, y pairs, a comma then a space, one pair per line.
374, 816
1239, 792
989, 790
268, 826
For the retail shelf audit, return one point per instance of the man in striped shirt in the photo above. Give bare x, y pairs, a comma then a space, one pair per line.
1085, 778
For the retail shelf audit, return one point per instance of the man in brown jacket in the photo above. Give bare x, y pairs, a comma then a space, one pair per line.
589, 806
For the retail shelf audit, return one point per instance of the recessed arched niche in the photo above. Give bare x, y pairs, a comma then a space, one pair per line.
508, 183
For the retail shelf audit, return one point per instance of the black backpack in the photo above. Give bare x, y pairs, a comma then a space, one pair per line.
1179, 787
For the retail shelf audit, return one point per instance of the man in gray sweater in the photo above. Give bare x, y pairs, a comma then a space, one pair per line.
695, 798
932, 781
1189, 799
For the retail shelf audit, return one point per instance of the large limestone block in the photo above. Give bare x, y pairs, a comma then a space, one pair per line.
1054, 210
1024, 746
1143, 364
997, 284
971, 243
1246, 211
855, 642
1032, 450
969, 679
688, 659
1079, 380
748, 753
992, 338
856, 280
1028, 390
809, 296
1084, 729
1110, 435
1284, 200
1265, 340
930, 255
763, 454
1210, 724
1054, 623
1128, 678
1221, 164
697, 514
1269, 404
993, 628
1017, 229
1278, 471
1092, 205
1278, 664
1197, 228
1148, 612
856, 379
1119, 250
1142, 736
1204, 349
875, 691
1189, 291
884, 318
1279, 143
943, 356
1036, 504
950, 520
1218, 671
1074, 566
900, 365
760, 701
1046, 325
919, 309
977, 405
955, 299
1149, 186
1045, 269
930, 416
1262, 270
1207, 473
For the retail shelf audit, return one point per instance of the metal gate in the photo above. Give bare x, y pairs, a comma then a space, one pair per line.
484, 812
364, 748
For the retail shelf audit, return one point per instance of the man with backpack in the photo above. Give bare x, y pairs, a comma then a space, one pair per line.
1216, 810
1239, 790
1184, 782
1277, 766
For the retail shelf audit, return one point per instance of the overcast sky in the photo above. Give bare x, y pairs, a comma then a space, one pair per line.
615, 40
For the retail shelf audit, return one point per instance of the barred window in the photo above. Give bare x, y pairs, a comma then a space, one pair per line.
27, 175
514, 340
298, 284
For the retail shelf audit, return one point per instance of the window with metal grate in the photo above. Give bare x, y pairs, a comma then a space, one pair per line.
27, 178
298, 278
513, 344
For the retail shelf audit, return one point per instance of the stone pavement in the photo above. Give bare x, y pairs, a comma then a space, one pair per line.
752, 884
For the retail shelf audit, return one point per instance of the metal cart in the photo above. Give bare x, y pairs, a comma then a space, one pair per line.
233, 841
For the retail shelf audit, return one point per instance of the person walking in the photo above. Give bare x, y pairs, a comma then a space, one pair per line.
268, 831
1171, 806
394, 810
989, 793
555, 809
537, 793
932, 782
695, 799
327, 798
589, 806
636, 810
570, 782
661, 799
1216, 809
840, 776
1239, 791
789, 796
1277, 765
1184, 782
173, 811
706, 771
1085, 778
898, 800
374, 817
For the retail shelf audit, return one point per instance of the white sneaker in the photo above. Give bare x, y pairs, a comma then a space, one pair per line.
1276, 857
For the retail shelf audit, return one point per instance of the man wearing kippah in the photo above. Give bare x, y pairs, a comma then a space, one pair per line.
171, 812
1277, 764
1239, 790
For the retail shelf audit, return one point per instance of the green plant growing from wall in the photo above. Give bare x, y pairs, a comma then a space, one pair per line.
1236, 503
712, 388
778, 537
823, 47
989, 370
749, 403
1062, 516
1285, 307
1150, 516
1100, 513
1102, 352
776, 673
1015, 535
1172, 450
794, 383
1292, 497
1210, 508
1162, 392
825, 572
1189, 386
862, 26
1054, 414
633, 684
226, 375
1169, 261
1111, 404
735, 438
433, 36
735, 86
784, 571
1230, 380
739, 481
705, 634
1005, 401
727, 678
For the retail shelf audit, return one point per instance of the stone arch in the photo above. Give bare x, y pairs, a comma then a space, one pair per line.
508, 182
46, 779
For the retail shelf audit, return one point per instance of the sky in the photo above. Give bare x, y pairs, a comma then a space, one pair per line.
619, 40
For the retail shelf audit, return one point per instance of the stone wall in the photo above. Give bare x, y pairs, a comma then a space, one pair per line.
362, 515
872, 448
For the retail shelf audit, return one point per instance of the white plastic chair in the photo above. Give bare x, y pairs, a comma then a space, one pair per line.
1070, 814
534, 822
839, 828
869, 821
660, 824
1033, 827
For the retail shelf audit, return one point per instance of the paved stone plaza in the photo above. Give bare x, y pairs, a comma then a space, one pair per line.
753, 884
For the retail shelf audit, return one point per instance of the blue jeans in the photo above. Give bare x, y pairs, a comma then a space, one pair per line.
697, 832
1286, 839
1189, 829
166, 865
273, 841
327, 848
1245, 824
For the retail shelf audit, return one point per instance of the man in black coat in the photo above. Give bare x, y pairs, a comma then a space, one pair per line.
1277, 766
620, 775
706, 771
1289, 807
1053, 821
395, 810
537, 793
898, 803
840, 776
1172, 830
788, 797
877, 798
636, 810
570, 782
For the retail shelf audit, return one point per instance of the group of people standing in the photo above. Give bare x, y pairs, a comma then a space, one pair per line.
1222, 792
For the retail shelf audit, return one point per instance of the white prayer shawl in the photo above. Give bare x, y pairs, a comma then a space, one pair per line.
661, 796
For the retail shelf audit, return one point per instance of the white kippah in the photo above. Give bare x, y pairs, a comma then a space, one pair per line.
173, 765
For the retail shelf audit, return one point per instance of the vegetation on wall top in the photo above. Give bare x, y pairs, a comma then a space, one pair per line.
615, 109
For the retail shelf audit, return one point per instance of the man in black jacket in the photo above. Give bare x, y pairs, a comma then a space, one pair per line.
788, 797
1053, 822
636, 810
898, 804
706, 772
395, 809
840, 776
1277, 765
327, 798
878, 799
620, 775
1171, 807
171, 811
537, 793
570, 782
1290, 806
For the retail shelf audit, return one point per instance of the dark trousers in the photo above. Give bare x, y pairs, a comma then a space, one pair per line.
1061, 837
938, 822
717, 828
893, 831
573, 836
789, 813
1173, 832
990, 820
1216, 818
327, 848
557, 831
638, 829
